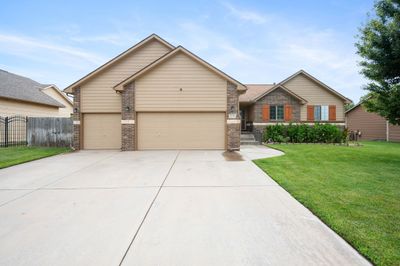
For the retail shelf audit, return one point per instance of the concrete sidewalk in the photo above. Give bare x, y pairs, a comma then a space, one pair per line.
158, 208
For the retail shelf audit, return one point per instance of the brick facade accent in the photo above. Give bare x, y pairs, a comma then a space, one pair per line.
233, 129
77, 119
277, 97
128, 113
258, 132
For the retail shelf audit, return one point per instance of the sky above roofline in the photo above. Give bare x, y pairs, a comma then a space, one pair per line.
252, 41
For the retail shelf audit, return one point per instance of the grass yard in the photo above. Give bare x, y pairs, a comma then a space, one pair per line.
16, 155
354, 190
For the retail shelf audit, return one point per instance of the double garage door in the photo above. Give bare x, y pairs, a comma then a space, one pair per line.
157, 131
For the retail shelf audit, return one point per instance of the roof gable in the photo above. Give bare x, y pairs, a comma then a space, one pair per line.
353, 108
134, 48
320, 83
280, 86
58, 91
120, 86
20, 88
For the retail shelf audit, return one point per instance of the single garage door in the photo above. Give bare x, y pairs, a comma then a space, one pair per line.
181, 131
102, 131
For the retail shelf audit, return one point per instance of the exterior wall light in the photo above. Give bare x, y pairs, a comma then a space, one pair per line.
232, 113
128, 108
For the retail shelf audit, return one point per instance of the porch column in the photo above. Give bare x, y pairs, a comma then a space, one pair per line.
128, 117
233, 118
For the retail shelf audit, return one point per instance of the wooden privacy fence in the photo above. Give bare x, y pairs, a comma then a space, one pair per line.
49, 131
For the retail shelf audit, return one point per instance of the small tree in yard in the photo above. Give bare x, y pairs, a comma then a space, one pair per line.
379, 46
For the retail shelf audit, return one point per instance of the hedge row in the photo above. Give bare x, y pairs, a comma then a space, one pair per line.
303, 133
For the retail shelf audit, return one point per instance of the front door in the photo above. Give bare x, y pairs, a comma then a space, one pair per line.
243, 119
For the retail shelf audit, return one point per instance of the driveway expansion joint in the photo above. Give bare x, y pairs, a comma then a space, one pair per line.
148, 210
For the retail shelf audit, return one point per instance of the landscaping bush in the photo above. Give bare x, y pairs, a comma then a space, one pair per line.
275, 133
303, 133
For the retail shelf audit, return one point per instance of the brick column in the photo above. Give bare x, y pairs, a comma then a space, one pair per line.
233, 118
128, 117
77, 117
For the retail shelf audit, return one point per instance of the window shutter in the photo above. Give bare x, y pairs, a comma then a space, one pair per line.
332, 112
288, 112
265, 112
310, 112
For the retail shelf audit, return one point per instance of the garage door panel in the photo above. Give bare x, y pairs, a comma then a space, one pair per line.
181, 131
102, 131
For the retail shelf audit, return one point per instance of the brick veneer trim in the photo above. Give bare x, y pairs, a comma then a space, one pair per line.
77, 116
233, 128
128, 115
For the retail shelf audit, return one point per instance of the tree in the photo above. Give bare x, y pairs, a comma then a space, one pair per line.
348, 106
379, 46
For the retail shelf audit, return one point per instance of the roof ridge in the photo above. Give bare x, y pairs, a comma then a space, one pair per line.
17, 87
118, 57
260, 84
322, 84
177, 49
23, 77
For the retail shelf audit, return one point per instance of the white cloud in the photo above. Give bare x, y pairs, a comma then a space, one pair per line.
24, 46
122, 34
245, 15
114, 39
325, 53
219, 49
46, 61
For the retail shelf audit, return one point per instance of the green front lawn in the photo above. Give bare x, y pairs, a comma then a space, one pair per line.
16, 155
354, 190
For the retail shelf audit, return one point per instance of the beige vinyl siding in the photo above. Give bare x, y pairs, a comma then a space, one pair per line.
12, 107
159, 89
371, 125
102, 131
315, 95
67, 110
181, 131
97, 94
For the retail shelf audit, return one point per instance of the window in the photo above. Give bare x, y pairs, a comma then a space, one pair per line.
276, 112
321, 112
324, 113
317, 113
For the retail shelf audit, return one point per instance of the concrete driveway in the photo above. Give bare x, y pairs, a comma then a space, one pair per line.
158, 208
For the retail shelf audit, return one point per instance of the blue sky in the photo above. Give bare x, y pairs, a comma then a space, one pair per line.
253, 41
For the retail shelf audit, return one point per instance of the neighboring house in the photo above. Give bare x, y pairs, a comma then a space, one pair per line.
371, 125
23, 96
156, 96
300, 98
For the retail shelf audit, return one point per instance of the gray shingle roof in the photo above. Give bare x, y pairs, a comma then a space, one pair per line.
16, 87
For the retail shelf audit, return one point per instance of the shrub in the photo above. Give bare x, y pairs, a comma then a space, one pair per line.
292, 133
274, 133
302, 133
